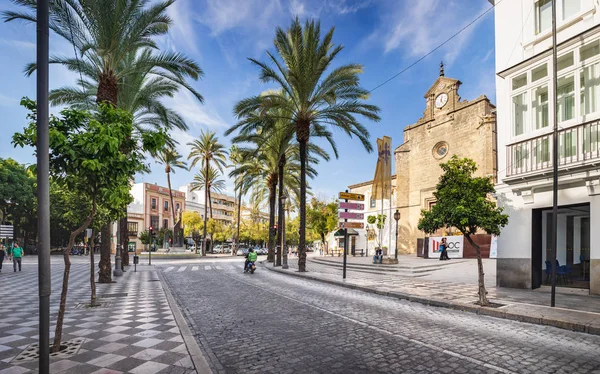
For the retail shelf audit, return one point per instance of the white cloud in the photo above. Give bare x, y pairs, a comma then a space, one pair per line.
418, 27
17, 43
224, 15
182, 32
297, 8
195, 114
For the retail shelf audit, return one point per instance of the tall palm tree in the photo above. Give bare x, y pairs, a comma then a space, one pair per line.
236, 158
272, 147
209, 184
171, 160
105, 33
208, 151
312, 99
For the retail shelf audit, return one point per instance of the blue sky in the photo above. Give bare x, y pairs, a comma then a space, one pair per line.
383, 35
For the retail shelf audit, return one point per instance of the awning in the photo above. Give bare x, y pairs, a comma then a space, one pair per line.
340, 232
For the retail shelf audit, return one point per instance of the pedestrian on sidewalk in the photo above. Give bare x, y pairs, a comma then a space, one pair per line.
2, 254
17, 255
444, 250
378, 258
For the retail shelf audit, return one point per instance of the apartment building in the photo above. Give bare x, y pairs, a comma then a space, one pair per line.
223, 206
524, 84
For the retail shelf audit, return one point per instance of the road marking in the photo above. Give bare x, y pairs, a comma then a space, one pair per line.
372, 327
206, 267
169, 268
194, 268
219, 268
182, 269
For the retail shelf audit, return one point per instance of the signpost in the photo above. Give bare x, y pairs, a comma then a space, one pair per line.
6, 231
345, 215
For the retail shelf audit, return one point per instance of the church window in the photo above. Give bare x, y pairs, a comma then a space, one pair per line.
540, 105
543, 15
570, 8
440, 150
520, 109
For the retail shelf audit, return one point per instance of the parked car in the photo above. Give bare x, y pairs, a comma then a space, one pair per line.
242, 251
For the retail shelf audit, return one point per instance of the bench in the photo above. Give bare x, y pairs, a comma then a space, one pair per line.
359, 251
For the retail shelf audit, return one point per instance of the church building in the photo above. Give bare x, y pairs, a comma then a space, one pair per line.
449, 126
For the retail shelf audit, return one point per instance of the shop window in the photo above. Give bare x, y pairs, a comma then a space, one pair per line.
543, 15
165, 223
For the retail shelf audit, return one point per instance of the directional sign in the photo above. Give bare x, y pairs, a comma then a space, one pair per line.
351, 196
352, 206
351, 215
6, 231
351, 225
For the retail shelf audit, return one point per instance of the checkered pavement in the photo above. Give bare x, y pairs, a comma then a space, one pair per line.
135, 333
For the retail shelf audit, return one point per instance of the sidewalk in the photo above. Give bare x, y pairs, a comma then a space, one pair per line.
136, 331
454, 285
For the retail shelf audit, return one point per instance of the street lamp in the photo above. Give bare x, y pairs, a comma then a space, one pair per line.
397, 218
282, 228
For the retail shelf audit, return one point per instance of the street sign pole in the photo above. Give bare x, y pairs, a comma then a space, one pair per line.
345, 243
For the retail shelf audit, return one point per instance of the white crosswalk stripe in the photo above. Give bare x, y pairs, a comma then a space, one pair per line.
182, 268
169, 268
206, 267
194, 268
219, 267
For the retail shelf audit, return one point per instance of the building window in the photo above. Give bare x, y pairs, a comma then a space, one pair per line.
166, 205
132, 228
566, 98
540, 106
165, 223
372, 202
542, 151
520, 155
567, 143
520, 113
153, 204
590, 88
178, 206
570, 8
591, 138
154, 222
543, 15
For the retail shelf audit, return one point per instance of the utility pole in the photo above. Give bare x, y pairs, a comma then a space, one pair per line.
554, 157
43, 184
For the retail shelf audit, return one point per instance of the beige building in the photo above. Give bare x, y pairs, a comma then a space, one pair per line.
449, 126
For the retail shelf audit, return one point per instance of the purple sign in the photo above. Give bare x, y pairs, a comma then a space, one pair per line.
351, 215
352, 206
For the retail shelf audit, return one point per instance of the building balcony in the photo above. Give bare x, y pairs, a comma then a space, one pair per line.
578, 150
133, 234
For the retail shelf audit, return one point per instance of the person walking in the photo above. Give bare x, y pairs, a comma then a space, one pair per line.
444, 250
17, 255
2, 254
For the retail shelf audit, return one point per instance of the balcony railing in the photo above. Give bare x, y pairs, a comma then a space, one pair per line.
576, 145
132, 234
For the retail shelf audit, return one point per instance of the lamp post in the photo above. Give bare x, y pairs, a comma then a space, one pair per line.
282, 228
397, 218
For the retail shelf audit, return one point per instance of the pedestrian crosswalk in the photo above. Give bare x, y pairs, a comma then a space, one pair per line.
179, 269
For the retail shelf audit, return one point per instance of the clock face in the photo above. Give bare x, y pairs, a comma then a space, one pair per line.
441, 100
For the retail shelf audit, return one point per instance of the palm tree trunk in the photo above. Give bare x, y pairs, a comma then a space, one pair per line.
302, 135
92, 266
210, 210
239, 214
175, 233
205, 206
281, 213
272, 195
108, 91
483, 301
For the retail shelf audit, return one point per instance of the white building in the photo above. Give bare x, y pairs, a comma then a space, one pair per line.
193, 200
524, 80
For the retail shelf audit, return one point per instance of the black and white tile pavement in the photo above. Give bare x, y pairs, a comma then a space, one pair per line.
136, 333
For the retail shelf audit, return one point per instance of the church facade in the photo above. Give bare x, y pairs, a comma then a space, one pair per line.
449, 126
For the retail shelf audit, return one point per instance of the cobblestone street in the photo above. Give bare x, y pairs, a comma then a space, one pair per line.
273, 323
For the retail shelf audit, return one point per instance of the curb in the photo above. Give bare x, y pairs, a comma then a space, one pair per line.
198, 359
491, 312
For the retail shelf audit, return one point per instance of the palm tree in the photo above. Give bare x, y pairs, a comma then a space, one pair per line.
209, 152
210, 184
272, 147
310, 99
236, 158
105, 34
171, 159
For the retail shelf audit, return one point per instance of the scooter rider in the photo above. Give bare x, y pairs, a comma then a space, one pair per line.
250, 257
